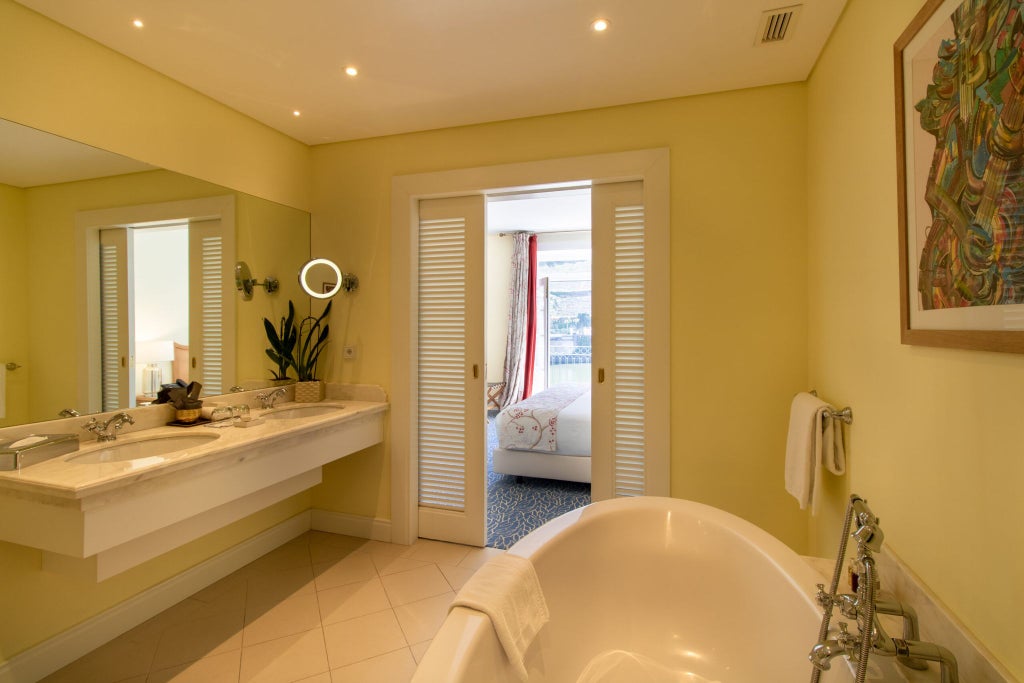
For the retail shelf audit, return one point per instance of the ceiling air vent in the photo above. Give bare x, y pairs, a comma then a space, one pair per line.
777, 24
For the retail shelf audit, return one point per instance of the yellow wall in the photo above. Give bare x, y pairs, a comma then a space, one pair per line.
738, 252
70, 85
936, 445
14, 310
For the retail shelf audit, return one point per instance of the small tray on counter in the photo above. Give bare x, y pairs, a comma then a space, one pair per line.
194, 423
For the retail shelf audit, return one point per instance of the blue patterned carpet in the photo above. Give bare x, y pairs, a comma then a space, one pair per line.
518, 505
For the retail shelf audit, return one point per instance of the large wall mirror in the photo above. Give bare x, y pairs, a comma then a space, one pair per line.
65, 208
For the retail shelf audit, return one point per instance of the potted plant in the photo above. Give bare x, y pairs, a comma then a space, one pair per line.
311, 339
282, 345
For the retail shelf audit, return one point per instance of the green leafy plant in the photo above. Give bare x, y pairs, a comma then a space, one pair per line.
282, 342
312, 339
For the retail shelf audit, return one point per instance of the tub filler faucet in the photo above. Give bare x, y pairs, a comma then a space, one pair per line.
863, 608
268, 398
107, 431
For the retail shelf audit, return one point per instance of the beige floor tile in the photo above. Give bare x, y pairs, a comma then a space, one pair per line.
437, 551
354, 568
357, 639
285, 659
271, 587
119, 659
350, 543
231, 583
420, 649
415, 584
393, 667
478, 557
223, 668
293, 615
319, 678
328, 552
196, 639
421, 619
390, 564
352, 600
383, 548
455, 575
288, 556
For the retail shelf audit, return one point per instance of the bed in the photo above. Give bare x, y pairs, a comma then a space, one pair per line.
546, 435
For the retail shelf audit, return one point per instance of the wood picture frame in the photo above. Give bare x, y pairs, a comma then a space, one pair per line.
960, 175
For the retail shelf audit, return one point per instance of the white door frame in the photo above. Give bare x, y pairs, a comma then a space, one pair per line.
649, 165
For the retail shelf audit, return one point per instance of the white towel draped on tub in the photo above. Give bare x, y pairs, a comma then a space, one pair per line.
815, 440
507, 590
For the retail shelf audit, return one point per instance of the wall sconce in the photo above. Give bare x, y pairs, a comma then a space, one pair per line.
245, 282
322, 278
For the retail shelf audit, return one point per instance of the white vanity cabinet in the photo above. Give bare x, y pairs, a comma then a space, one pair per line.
98, 519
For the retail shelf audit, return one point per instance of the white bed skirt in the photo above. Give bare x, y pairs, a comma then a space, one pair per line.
543, 465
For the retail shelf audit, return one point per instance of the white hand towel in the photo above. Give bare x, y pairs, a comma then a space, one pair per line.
814, 440
508, 591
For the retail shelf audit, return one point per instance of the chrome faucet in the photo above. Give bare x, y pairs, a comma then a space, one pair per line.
268, 398
68, 412
863, 608
107, 431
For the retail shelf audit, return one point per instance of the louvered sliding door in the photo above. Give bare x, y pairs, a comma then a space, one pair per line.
211, 309
116, 354
630, 369
450, 378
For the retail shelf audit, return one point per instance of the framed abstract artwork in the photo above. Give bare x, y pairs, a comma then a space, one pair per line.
960, 165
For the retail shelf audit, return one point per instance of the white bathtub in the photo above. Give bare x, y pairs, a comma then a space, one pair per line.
652, 590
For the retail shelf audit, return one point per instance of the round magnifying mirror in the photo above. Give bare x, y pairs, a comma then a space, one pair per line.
243, 280
321, 278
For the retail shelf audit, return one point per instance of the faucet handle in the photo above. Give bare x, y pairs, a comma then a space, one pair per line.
824, 600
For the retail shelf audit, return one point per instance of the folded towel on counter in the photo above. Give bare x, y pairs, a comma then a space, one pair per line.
508, 591
815, 440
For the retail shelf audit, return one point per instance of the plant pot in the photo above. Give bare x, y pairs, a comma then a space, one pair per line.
190, 415
309, 392
281, 382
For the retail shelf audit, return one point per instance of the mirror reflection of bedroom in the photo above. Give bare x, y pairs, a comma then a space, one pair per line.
538, 348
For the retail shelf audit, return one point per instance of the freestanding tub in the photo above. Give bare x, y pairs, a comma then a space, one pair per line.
652, 590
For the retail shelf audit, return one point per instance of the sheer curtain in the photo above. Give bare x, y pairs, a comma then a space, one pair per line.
520, 344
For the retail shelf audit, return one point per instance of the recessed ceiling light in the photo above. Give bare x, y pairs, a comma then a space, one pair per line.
600, 25
351, 70
296, 113
137, 23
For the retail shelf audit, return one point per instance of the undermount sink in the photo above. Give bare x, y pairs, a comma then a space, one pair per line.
293, 412
146, 448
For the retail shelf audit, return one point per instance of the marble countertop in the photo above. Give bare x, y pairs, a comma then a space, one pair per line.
64, 478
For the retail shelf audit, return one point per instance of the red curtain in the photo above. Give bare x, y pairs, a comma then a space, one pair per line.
531, 319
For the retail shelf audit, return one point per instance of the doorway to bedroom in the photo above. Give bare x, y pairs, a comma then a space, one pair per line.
538, 309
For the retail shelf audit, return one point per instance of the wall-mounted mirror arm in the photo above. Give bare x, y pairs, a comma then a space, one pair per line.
246, 283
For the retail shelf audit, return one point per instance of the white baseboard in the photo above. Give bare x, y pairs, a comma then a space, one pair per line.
43, 659
373, 528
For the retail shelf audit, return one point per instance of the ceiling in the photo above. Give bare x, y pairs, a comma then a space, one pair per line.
426, 64
29, 157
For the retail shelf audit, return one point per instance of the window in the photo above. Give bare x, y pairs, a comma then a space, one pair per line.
563, 309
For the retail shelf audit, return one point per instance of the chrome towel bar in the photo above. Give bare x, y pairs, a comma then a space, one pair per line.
845, 415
